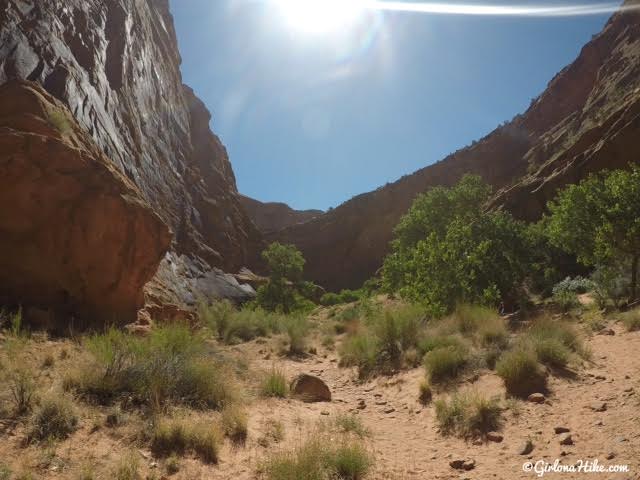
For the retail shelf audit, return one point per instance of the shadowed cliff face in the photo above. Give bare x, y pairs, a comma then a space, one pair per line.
270, 217
75, 235
115, 64
586, 120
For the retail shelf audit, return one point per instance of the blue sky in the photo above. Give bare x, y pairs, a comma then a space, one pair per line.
314, 119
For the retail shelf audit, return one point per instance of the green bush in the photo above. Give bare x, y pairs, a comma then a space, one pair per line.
55, 418
170, 364
248, 324
445, 363
217, 316
320, 459
432, 342
468, 415
360, 350
521, 373
631, 320
563, 332
296, 329
345, 296
274, 385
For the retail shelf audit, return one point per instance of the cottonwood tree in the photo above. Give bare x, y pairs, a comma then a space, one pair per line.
598, 220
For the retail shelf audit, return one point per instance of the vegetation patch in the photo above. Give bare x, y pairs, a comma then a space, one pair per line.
55, 418
468, 415
274, 384
178, 436
521, 373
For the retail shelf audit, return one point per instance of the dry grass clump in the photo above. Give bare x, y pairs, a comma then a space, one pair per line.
179, 436
127, 468
321, 458
55, 418
170, 365
631, 320
444, 364
235, 424
468, 415
274, 384
351, 424
521, 373
22, 386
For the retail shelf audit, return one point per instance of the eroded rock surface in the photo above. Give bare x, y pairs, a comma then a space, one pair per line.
116, 66
76, 236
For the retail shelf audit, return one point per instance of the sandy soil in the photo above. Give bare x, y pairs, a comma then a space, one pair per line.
404, 438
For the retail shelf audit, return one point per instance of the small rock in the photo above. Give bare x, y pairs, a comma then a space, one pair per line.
324, 412
526, 449
494, 437
564, 453
389, 410
610, 456
599, 406
566, 439
381, 402
460, 464
476, 442
607, 331
536, 398
560, 430
361, 405
600, 377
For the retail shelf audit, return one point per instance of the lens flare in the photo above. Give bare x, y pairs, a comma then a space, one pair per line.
321, 16
442, 8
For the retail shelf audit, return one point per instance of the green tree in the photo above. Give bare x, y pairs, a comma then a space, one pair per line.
448, 250
598, 220
285, 264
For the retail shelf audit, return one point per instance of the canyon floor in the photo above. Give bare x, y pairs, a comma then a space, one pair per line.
599, 404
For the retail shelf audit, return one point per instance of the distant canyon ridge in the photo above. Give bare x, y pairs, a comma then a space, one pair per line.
119, 203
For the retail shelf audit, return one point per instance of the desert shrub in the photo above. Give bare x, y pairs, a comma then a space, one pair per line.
468, 415
55, 418
178, 436
566, 300
320, 459
425, 394
445, 363
611, 283
546, 328
552, 352
172, 464
360, 350
274, 384
433, 341
128, 468
235, 423
470, 318
170, 364
345, 296
23, 391
217, 316
247, 324
521, 373
631, 320
351, 424
296, 328
274, 433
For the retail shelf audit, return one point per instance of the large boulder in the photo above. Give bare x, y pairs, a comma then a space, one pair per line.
310, 389
76, 237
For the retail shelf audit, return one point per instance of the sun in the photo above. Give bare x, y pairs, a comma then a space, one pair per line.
320, 16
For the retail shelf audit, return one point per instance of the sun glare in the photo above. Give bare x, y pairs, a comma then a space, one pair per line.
321, 16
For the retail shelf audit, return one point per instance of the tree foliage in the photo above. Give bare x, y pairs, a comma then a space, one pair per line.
448, 250
598, 220
285, 264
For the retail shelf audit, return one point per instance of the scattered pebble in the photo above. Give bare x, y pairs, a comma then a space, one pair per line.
566, 439
461, 464
494, 437
559, 430
526, 448
536, 398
